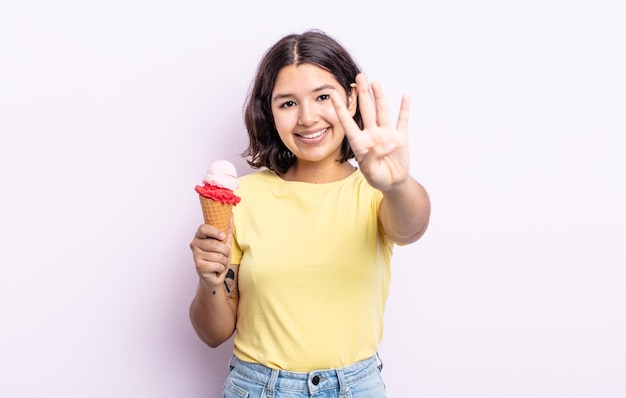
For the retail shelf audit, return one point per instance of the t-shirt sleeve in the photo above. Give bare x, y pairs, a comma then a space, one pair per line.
235, 251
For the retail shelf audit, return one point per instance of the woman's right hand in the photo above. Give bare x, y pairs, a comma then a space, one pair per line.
211, 253
213, 311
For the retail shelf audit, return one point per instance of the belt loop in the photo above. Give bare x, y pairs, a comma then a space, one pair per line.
342, 383
380, 362
271, 384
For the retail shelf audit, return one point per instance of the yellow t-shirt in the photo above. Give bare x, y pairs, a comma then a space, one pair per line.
314, 272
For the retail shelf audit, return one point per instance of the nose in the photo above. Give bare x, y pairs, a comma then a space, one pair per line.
307, 115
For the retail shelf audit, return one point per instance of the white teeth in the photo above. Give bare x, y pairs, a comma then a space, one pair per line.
314, 135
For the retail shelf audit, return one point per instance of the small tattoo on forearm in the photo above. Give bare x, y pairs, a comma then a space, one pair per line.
230, 286
229, 275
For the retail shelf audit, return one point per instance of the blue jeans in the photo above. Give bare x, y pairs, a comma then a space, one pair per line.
251, 380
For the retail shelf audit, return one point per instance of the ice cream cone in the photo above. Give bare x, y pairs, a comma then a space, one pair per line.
216, 194
216, 213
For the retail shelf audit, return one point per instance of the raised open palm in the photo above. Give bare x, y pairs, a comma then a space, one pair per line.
380, 149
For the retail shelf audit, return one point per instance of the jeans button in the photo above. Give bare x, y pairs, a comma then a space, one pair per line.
315, 380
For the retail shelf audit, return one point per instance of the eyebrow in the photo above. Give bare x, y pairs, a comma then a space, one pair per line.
280, 96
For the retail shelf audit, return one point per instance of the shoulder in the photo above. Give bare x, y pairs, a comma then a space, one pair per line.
258, 181
257, 177
364, 188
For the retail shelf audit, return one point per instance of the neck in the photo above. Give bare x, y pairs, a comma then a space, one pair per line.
317, 173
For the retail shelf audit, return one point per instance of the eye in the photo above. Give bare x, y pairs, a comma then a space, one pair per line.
288, 104
323, 97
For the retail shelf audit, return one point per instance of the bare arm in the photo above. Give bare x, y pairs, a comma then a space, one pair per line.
405, 211
213, 311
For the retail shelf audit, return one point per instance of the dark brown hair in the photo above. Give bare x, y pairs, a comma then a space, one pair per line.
265, 148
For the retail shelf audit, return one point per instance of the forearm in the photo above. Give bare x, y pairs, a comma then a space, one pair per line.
212, 316
405, 212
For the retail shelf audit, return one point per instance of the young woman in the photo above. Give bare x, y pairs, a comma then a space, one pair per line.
304, 274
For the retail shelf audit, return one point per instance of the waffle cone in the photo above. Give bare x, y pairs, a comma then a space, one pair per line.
216, 213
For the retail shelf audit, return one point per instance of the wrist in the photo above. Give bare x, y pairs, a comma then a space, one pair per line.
400, 188
208, 288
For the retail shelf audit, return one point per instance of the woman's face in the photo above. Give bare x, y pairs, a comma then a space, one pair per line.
304, 115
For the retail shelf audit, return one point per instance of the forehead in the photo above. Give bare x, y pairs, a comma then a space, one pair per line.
304, 77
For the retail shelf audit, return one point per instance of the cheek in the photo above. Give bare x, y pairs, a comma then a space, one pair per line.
284, 124
279, 120
330, 115
281, 124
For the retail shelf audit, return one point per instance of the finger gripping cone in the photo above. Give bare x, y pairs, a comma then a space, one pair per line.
216, 213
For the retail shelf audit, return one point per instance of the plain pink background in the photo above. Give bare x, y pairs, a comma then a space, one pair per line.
111, 112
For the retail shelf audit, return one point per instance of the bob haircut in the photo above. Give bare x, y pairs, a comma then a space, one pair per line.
314, 47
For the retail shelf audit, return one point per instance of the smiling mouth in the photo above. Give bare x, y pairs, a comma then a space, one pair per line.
313, 135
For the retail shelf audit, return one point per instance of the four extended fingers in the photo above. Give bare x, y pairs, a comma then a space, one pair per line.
373, 106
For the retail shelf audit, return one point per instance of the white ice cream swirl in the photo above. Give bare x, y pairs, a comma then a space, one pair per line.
223, 174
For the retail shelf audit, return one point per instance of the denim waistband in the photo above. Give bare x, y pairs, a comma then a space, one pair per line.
317, 380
